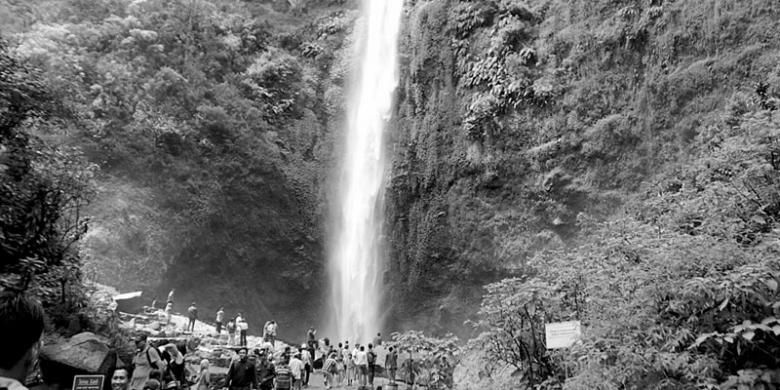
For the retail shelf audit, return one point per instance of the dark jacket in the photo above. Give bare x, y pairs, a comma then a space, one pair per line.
241, 374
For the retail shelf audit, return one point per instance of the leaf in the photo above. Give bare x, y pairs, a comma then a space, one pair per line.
748, 335
772, 284
776, 330
723, 304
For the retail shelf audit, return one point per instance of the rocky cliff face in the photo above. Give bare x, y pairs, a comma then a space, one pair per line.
516, 117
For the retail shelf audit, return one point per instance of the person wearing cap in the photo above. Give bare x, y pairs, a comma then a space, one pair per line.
308, 364
145, 360
241, 374
297, 367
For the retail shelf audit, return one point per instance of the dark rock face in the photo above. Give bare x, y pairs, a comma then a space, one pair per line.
516, 118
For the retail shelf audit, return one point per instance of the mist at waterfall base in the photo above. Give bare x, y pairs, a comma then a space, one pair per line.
355, 259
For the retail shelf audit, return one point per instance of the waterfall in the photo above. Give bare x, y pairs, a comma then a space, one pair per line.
356, 261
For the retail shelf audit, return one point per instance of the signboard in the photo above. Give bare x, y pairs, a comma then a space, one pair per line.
88, 382
562, 334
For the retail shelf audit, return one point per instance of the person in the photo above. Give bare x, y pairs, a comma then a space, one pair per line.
349, 363
361, 360
329, 370
311, 337
120, 379
371, 357
355, 352
242, 326
272, 333
308, 364
378, 340
340, 367
241, 374
192, 313
168, 312
391, 364
297, 368
284, 378
203, 381
175, 376
231, 329
21, 334
220, 318
154, 304
265, 371
152, 384
170, 295
146, 360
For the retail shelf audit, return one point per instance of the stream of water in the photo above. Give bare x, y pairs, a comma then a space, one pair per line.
356, 261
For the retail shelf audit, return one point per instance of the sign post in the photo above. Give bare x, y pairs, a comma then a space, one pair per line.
88, 382
559, 335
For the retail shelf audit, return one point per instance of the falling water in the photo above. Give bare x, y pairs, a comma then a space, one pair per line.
356, 261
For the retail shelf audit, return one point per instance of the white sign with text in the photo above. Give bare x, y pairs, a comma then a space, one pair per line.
562, 334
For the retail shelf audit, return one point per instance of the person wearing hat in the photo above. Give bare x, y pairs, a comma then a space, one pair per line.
297, 367
175, 375
145, 360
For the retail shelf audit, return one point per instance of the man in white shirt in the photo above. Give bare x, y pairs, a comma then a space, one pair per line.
297, 367
361, 360
21, 333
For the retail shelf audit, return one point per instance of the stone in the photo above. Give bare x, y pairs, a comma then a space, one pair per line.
85, 351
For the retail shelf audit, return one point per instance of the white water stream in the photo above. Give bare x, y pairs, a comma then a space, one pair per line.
356, 261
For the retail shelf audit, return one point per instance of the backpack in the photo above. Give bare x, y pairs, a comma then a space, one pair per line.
283, 377
330, 366
371, 357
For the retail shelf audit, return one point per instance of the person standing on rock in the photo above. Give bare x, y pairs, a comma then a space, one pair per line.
391, 364
170, 295
146, 360
231, 329
272, 332
220, 318
21, 334
168, 312
242, 326
311, 337
241, 374
192, 313
378, 340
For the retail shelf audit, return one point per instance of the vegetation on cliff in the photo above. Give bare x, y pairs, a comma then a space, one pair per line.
210, 124
617, 161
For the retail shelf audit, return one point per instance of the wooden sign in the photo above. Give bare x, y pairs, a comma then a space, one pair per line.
88, 382
562, 334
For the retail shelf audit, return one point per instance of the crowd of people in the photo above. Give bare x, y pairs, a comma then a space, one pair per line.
164, 367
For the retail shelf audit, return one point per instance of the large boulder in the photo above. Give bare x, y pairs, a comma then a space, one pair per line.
86, 352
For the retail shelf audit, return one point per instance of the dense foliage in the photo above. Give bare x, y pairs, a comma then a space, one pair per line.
210, 122
616, 161
43, 193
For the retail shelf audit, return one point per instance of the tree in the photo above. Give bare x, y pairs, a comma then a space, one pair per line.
43, 191
431, 361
